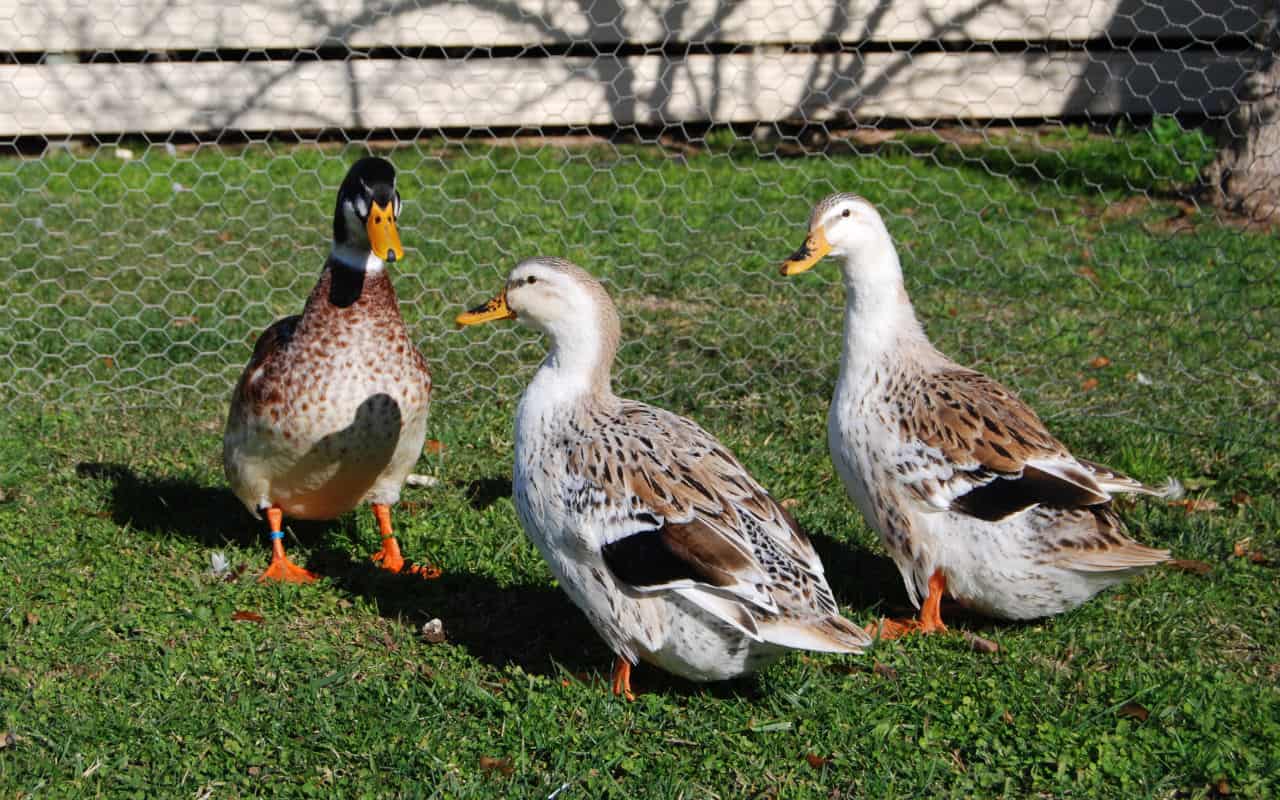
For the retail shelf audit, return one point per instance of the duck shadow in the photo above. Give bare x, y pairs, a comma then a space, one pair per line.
211, 516
869, 582
533, 627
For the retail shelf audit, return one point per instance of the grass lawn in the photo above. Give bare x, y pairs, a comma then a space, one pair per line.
1143, 329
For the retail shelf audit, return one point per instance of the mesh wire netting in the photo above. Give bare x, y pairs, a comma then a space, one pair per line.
1030, 163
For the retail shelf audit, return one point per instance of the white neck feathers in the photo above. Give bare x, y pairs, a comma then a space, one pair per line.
361, 259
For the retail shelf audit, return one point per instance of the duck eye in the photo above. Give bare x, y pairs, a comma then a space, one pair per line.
531, 279
845, 213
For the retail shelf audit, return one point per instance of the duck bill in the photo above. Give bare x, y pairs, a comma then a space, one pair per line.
384, 237
815, 248
495, 309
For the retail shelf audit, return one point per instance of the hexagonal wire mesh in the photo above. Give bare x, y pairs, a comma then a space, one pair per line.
175, 166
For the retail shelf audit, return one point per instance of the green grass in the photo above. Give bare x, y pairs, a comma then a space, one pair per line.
123, 672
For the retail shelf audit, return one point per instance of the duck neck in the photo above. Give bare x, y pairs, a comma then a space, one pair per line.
577, 371
878, 316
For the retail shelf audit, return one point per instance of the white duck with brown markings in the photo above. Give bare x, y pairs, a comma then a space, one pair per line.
675, 554
968, 490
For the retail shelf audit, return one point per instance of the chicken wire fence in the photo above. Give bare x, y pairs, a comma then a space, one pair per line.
172, 169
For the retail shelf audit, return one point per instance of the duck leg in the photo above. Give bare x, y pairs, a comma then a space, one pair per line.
281, 568
389, 557
622, 679
930, 620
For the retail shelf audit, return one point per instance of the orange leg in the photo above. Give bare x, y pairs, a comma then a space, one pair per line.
622, 679
930, 613
389, 557
281, 568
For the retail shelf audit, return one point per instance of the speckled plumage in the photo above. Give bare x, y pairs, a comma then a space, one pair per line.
951, 469
676, 555
331, 410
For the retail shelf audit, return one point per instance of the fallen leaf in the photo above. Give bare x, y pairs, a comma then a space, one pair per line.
981, 645
1089, 385
109, 362
1257, 557
254, 771
248, 616
885, 671
491, 764
816, 761
1192, 505
953, 312
32, 619
1187, 565
433, 631
789, 503
1132, 710
224, 236
434, 446
1088, 274
1100, 362
1222, 787
1242, 499
7, 739
1241, 548
1006, 717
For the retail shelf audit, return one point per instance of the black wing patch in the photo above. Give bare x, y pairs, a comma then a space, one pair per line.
690, 551
1007, 495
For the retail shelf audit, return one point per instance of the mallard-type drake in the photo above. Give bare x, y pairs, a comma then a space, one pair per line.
332, 409
676, 555
968, 490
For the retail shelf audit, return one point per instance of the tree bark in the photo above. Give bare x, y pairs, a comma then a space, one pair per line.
1245, 176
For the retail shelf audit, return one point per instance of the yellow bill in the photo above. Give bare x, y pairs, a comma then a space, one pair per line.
815, 247
496, 308
384, 237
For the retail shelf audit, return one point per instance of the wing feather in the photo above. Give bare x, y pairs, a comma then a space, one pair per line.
687, 517
986, 453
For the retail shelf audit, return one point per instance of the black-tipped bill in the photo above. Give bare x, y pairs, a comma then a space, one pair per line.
495, 309
813, 250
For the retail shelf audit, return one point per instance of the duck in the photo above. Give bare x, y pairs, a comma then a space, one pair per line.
331, 410
674, 553
969, 492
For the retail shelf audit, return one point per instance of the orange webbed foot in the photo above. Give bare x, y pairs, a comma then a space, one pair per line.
890, 629
621, 682
389, 557
930, 614
282, 569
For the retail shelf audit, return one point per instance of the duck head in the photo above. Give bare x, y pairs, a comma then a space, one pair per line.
368, 205
842, 225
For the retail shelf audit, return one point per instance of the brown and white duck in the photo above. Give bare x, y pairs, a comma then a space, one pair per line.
331, 411
971, 494
673, 551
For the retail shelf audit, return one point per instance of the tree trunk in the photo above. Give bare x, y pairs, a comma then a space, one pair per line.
1245, 177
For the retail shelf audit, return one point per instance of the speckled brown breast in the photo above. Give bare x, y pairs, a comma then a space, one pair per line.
322, 410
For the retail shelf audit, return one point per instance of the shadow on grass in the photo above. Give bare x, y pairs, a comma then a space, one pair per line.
534, 627
865, 581
484, 492
212, 517
531, 626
